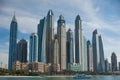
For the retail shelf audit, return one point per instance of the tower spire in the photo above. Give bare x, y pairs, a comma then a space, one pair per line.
14, 18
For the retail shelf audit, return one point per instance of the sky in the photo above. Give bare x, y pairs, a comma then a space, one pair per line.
103, 15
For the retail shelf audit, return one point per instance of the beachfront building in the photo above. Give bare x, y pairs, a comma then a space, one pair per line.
73, 66
17, 65
36, 67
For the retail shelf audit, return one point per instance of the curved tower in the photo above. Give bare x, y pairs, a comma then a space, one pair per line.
102, 61
98, 53
42, 40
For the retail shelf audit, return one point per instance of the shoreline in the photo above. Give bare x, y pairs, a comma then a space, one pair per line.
47, 76
41, 76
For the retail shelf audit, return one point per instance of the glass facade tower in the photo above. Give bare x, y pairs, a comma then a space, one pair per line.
49, 36
102, 61
22, 50
78, 41
12, 42
114, 62
33, 53
98, 53
95, 43
70, 47
42, 40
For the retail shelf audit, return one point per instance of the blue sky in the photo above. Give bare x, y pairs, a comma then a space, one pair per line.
103, 15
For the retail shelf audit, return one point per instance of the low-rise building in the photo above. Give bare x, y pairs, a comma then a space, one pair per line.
48, 67
73, 66
32, 67
36, 67
16, 65
56, 67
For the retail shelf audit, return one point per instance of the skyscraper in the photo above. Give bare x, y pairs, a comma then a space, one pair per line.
98, 53
56, 56
70, 46
114, 62
89, 56
42, 40
102, 61
106, 65
78, 41
56, 52
61, 32
84, 55
12, 42
49, 36
33, 53
119, 66
22, 50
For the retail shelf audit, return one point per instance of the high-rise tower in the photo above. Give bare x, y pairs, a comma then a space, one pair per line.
70, 46
114, 62
61, 32
22, 50
56, 56
33, 53
102, 61
106, 65
12, 42
78, 41
49, 36
42, 40
89, 56
84, 55
98, 53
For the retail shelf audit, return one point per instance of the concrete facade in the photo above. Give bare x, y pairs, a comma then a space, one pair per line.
61, 32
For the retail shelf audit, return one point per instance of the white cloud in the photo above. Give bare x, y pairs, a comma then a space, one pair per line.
27, 24
111, 45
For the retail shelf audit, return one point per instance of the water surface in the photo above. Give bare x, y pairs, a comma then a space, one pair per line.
61, 78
